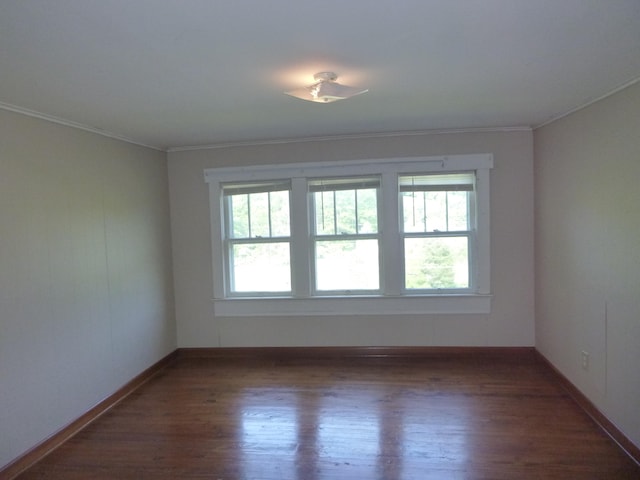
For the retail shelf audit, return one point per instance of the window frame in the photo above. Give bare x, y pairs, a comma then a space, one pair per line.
469, 234
229, 240
393, 299
314, 237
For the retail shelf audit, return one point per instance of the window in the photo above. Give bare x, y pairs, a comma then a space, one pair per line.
367, 237
437, 220
345, 234
257, 234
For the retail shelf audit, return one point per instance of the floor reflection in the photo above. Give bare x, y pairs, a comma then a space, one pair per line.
436, 436
348, 437
269, 435
350, 433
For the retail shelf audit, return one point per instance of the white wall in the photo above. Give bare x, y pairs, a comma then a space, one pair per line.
86, 298
509, 324
587, 178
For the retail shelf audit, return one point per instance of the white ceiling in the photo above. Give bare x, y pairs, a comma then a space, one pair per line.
175, 73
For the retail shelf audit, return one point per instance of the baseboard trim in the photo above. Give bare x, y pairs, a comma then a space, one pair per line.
349, 352
632, 450
45, 447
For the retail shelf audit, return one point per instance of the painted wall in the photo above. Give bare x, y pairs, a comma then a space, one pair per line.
587, 178
509, 324
86, 299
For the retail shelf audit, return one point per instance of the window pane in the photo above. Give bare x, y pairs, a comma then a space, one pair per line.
413, 212
435, 211
347, 265
367, 210
323, 202
424, 211
458, 211
432, 263
345, 206
436, 203
280, 214
239, 216
261, 267
261, 214
346, 212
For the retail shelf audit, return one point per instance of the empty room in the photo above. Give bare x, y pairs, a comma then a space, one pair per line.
297, 240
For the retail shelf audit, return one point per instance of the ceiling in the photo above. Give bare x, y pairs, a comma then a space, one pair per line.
179, 73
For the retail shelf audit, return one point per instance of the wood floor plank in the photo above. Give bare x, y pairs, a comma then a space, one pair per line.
441, 417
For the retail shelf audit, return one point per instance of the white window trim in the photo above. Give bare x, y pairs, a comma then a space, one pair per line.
392, 301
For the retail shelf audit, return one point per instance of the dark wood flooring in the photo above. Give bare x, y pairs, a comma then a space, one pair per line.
433, 417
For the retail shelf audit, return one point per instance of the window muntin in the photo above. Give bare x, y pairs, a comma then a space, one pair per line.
346, 254
437, 229
257, 238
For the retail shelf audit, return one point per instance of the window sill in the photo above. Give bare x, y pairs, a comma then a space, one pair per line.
361, 305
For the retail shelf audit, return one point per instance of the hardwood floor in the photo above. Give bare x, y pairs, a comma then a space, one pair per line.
433, 417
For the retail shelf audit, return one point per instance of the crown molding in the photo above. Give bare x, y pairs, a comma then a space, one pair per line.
282, 141
587, 104
72, 124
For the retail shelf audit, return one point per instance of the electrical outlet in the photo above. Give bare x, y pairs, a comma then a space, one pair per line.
585, 360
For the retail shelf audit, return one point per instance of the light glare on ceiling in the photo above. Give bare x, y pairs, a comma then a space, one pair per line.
326, 89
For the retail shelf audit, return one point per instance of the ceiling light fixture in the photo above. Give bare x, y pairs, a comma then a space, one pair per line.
326, 89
